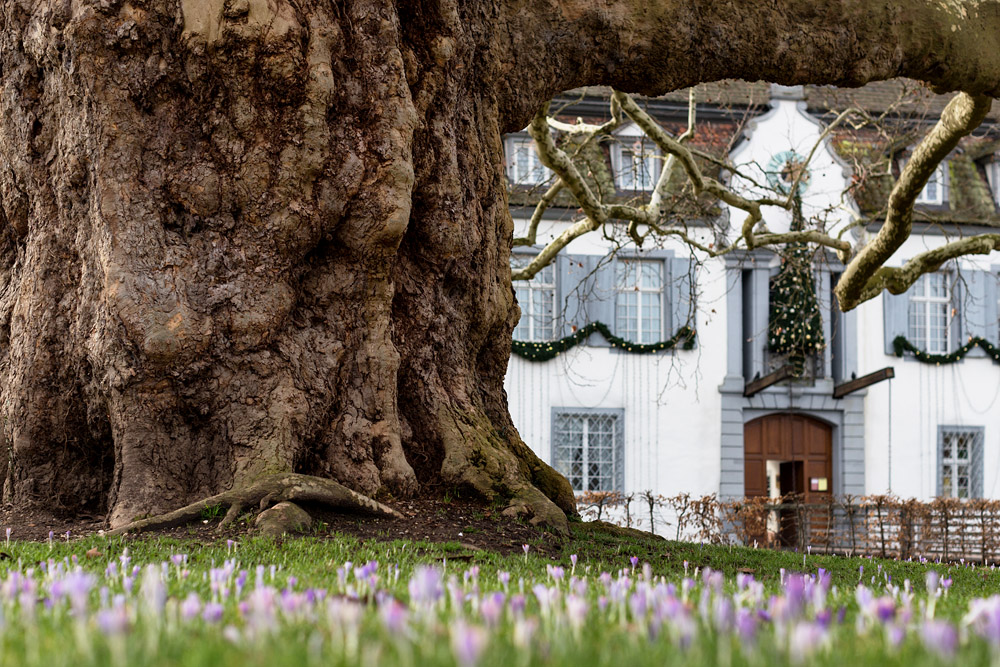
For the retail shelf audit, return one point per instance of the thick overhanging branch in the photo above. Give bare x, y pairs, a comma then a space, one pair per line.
898, 280
865, 275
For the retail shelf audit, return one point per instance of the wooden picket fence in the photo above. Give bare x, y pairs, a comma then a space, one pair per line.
948, 529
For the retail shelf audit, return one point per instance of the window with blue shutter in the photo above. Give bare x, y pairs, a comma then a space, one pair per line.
639, 312
537, 298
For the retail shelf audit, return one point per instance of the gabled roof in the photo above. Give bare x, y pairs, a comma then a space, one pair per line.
908, 108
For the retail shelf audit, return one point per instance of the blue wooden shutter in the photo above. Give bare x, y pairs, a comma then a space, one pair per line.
681, 306
945, 184
992, 316
976, 463
959, 301
601, 296
976, 314
895, 313
570, 290
939, 459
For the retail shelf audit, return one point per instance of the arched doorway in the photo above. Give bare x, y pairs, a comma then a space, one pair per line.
788, 453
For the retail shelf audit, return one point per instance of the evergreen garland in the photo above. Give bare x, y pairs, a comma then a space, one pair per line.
795, 327
546, 350
900, 344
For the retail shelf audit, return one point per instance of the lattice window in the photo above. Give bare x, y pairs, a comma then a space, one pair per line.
587, 449
930, 312
639, 302
537, 298
524, 167
960, 462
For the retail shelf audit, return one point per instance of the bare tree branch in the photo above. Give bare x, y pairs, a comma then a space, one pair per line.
865, 273
898, 280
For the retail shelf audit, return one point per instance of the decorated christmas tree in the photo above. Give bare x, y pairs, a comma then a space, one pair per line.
796, 328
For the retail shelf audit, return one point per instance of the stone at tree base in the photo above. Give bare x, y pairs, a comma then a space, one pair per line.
285, 517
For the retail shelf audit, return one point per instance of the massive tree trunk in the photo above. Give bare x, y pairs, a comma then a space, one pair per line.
245, 237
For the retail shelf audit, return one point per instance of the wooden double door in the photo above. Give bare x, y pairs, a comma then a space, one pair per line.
800, 449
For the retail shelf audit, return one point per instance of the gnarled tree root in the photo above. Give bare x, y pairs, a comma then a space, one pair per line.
262, 494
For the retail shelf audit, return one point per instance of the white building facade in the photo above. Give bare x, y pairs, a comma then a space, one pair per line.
681, 420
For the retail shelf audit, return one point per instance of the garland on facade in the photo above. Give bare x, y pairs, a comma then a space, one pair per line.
900, 344
546, 350
796, 328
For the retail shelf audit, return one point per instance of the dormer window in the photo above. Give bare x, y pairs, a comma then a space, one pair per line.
636, 163
933, 193
524, 167
993, 176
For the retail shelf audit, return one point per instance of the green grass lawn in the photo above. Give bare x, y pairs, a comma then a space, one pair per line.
285, 620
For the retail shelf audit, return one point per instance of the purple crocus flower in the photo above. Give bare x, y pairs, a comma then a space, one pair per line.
467, 643
746, 625
805, 639
576, 610
491, 608
931, 579
425, 586
191, 607
984, 618
795, 594
885, 609
394, 615
723, 614
113, 621
212, 612
638, 604
939, 637
154, 591
77, 586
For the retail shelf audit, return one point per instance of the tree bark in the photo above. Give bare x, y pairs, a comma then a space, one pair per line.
248, 237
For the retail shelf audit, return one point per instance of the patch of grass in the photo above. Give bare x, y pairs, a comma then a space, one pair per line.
320, 563
212, 512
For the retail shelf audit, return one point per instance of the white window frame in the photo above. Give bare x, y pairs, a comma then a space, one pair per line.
623, 151
949, 467
640, 335
921, 299
938, 178
564, 465
536, 172
529, 293
993, 178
